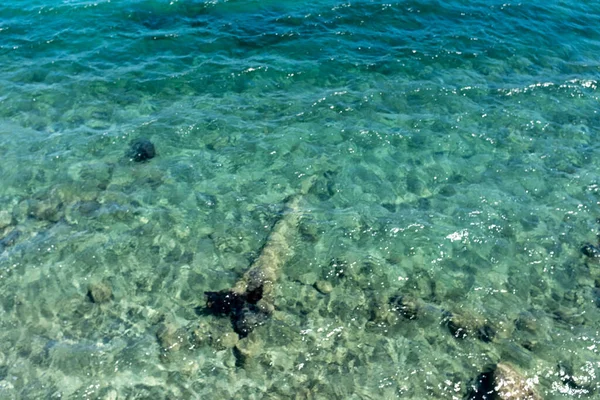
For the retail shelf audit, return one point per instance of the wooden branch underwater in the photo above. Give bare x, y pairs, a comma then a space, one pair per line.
251, 300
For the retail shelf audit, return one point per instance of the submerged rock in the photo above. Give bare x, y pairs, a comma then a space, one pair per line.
502, 382
526, 322
49, 209
79, 210
569, 379
464, 325
5, 219
590, 250
458, 327
324, 287
99, 292
406, 306
247, 348
509, 384
89, 176
201, 334
227, 341
141, 150
250, 346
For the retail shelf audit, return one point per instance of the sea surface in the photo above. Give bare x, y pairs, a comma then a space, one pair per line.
444, 158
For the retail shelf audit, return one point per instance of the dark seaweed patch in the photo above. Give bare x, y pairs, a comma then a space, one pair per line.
245, 315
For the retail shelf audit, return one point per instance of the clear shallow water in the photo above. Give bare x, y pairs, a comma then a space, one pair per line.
455, 146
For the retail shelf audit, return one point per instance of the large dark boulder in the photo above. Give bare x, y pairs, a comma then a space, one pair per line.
141, 150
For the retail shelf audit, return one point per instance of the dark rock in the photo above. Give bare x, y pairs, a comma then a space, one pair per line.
141, 150
455, 326
240, 358
482, 388
405, 306
591, 251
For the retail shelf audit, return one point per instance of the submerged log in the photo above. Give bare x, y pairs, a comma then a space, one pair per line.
251, 300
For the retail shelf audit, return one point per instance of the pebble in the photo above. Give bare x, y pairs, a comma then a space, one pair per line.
324, 287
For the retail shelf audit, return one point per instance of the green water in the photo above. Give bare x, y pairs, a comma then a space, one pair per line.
455, 157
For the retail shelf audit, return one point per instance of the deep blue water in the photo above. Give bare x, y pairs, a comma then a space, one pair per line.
444, 156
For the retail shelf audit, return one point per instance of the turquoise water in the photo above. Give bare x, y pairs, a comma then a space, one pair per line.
452, 149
